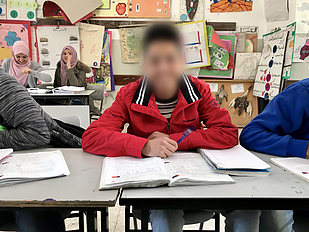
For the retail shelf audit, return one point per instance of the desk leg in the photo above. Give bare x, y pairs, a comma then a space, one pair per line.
127, 218
92, 221
145, 218
104, 220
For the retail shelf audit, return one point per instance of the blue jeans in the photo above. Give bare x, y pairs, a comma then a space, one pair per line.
35, 221
236, 221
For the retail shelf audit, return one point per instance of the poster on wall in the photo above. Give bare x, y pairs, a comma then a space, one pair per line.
112, 9
219, 6
51, 40
276, 10
302, 12
91, 43
10, 32
149, 9
269, 74
301, 48
289, 51
2, 9
21, 10
191, 10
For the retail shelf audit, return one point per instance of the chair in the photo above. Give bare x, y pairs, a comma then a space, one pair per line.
72, 119
194, 217
98, 95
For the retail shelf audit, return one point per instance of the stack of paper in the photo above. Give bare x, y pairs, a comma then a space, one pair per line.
69, 89
25, 167
236, 161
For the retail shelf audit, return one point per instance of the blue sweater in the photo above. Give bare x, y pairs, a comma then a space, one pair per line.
283, 127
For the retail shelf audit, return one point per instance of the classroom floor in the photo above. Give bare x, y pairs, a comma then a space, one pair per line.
116, 221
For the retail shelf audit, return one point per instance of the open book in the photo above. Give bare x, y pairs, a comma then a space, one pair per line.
183, 168
24, 167
236, 161
297, 166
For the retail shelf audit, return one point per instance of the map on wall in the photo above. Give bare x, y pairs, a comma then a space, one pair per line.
218, 6
268, 78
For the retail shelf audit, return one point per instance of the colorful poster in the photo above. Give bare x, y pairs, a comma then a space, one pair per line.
2, 9
52, 39
106, 49
194, 36
112, 9
149, 9
268, 78
21, 10
192, 11
301, 48
219, 6
289, 51
91, 43
10, 32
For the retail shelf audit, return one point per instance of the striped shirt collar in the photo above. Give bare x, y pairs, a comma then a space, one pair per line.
187, 87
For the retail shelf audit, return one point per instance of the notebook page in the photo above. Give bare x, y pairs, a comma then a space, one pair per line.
190, 168
4, 153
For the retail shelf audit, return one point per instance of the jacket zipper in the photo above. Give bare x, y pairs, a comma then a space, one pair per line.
168, 128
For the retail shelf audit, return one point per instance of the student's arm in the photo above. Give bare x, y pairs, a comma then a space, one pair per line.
220, 132
76, 79
57, 79
6, 65
104, 137
38, 72
270, 131
26, 127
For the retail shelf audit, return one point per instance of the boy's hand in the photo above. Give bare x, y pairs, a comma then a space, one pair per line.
160, 147
157, 134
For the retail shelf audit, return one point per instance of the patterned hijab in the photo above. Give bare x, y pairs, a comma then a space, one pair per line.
64, 68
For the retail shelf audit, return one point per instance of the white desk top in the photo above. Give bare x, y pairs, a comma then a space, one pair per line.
279, 184
79, 93
79, 189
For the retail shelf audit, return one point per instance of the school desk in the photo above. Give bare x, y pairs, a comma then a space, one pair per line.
77, 191
60, 111
281, 190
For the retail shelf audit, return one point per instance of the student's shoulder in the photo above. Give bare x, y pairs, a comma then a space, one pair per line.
128, 91
201, 85
304, 83
6, 61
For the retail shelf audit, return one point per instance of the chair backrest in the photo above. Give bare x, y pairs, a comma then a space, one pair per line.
99, 91
72, 119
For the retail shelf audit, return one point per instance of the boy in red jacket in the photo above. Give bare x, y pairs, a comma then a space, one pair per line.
158, 108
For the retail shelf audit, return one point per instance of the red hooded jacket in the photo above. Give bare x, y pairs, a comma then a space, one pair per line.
135, 104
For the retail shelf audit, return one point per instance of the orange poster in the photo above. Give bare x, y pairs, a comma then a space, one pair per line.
149, 8
217, 6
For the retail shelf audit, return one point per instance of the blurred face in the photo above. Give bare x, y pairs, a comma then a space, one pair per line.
163, 66
66, 55
21, 58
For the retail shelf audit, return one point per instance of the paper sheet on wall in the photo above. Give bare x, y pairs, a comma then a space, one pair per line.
268, 78
197, 15
276, 10
241, 42
302, 12
91, 43
246, 65
301, 48
112, 9
195, 44
77, 9
149, 9
193, 72
10, 32
51, 40
289, 51
220, 6
106, 48
2, 9
21, 10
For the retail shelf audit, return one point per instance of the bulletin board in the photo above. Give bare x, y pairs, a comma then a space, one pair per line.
238, 120
10, 32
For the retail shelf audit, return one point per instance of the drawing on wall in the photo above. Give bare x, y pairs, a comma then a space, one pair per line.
289, 51
219, 6
131, 44
2, 9
269, 74
302, 11
276, 10
91, 43
242, 104
246, 65
53, 39
21, 10
301, 48
149, 9
106, 49
10, 32
112, 9
192, 10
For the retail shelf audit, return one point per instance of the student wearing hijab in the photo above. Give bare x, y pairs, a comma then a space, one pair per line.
25, 71
72, 72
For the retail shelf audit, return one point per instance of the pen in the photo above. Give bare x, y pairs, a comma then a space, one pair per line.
186, 133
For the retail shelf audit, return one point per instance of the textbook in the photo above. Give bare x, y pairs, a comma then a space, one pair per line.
236, 161
182, 168
298, 166
25, 167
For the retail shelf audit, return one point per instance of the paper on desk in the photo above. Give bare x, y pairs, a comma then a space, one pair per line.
4, 153
69, 89
276, 10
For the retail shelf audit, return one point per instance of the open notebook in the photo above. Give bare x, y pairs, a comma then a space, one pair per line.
236, 161
24, 167
183, 168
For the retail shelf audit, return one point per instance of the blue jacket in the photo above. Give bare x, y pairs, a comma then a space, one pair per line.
283, 127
